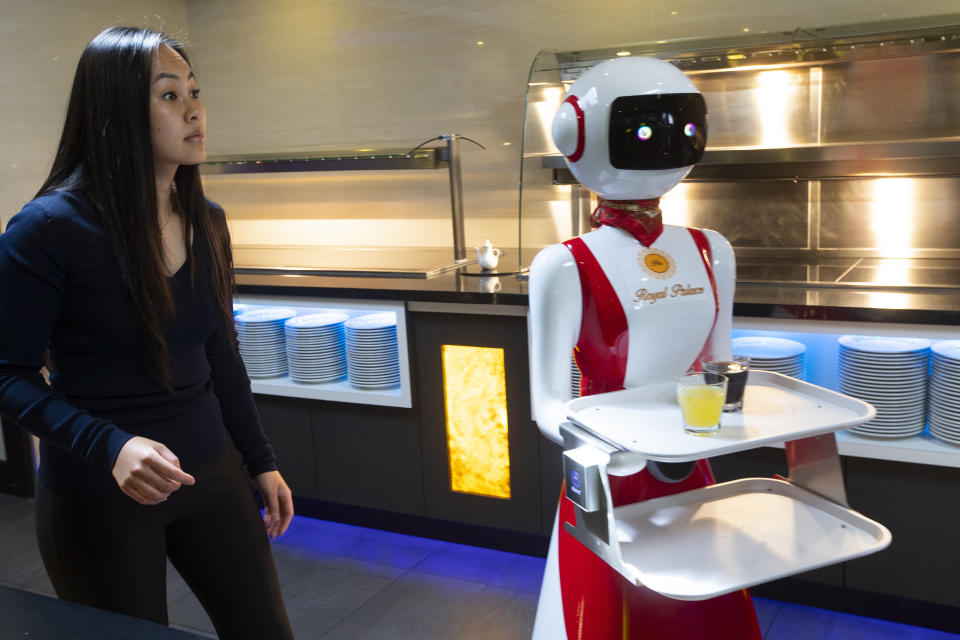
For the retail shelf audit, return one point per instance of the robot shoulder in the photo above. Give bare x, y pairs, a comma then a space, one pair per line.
552, 259
719, 245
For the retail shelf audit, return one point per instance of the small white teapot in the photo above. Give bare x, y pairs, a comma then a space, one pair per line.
488, 256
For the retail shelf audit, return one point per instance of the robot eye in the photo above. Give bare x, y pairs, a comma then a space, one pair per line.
689, 129
644, 132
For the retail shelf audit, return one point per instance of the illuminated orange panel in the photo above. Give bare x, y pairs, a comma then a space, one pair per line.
475, 398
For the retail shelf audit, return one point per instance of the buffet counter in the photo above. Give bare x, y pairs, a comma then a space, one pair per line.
402, 460
814, 315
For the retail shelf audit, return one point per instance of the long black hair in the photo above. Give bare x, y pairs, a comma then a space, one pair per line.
105, 152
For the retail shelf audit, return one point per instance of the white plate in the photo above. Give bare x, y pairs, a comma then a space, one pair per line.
772, 361
945, 392
373, 321
317, 320
364, 325
315, 346
275, 340
315, 342
265, 315
314, 334
884, 344
911, 425
946, 437
889, 436
949, 349
897, 394
363, 354
876, 379
262, 345
945, 404
882, 356
263, 355
939, 366
316, 349
373, 368
901, 423
382, 376
763, 347
947, 425
374, 375
384, 344
316, 357
307, 380
885, 362
376, 386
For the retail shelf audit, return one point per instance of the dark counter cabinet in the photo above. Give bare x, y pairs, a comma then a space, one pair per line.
359, 455
521, 511
340, 458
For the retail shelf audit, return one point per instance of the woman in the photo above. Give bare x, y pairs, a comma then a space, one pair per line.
119, 273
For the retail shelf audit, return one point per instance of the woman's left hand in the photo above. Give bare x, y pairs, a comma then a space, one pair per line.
278, 502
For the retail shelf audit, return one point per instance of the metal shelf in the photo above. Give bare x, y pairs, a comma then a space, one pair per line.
432, 158
419, 157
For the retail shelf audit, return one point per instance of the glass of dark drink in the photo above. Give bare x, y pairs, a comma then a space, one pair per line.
735, 369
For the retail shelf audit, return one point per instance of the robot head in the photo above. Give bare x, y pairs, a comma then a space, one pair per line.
631, 128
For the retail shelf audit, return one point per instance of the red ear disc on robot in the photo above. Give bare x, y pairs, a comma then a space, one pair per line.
581, 126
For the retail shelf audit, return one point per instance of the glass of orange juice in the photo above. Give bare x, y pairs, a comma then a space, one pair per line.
701, 401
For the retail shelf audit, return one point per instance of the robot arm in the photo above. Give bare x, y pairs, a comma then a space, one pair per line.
554, 324
724, 273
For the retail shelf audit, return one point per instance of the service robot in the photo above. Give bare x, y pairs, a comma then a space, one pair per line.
634, 301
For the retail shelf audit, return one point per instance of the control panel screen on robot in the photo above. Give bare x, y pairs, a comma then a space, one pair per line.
658, 131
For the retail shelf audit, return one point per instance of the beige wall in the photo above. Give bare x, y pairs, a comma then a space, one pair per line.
40, 41
301, 74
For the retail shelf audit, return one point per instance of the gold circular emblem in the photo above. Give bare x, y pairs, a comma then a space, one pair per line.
657, 263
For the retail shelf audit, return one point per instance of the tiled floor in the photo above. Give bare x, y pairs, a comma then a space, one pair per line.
349, 583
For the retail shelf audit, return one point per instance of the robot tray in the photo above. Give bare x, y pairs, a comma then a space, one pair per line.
776, 408
725, 537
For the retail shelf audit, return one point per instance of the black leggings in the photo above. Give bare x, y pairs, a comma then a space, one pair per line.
105, 550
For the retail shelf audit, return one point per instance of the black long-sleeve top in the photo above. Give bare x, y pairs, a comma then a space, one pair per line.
60, 288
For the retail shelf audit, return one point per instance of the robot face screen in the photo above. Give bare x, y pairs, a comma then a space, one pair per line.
657, 131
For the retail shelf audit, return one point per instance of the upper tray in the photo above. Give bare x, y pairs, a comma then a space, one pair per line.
776, 408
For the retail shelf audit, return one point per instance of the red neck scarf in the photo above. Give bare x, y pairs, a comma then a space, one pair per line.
639, 218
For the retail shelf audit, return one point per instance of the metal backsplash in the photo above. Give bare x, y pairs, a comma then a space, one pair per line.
833, 157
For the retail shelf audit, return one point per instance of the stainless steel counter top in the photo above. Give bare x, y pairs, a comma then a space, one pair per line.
844, 290
383, 262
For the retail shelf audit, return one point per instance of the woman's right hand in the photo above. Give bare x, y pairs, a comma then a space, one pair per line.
148, 472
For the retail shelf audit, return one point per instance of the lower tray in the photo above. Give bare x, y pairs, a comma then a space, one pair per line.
725, 537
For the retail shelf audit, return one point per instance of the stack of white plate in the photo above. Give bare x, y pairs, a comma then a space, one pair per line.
372, 354
890, 374
574, 378
239, 308
772, 354
262, 344
316, 350
945, 391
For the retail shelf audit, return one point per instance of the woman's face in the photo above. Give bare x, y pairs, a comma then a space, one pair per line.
177, 118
